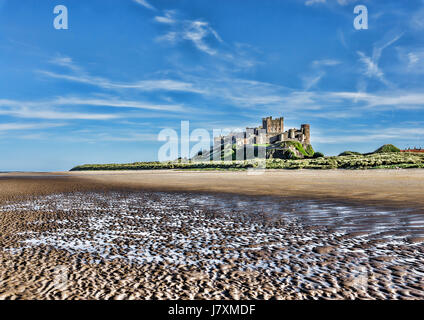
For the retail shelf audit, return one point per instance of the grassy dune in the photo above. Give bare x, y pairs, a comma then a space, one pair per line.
390, 160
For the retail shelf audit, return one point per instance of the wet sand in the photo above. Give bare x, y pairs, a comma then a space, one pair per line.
384, 187
132, 236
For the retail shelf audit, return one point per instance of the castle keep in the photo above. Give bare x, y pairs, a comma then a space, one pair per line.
271, 131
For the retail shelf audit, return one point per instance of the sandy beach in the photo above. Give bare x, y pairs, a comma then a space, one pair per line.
385, 187
390, 187
212, 235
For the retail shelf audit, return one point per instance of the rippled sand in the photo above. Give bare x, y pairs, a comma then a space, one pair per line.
129, 244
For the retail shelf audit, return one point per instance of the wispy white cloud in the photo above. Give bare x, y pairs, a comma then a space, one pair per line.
372, 69
182, 82
197, 32
171, 37
239, 92
129, 137
400, 100
145, 4
44, 110
116, 103
417, 20
312, 2
225, 88
206, 39
342, 39
53, 108
65, 61
90, 101
329, 2
25, 126
318, 72
326, 63
98, 134
412, 59
311, 81
346, 2
242, 93
381, 135
24, 112
250, 95
79, 75
350, 103
371, 64
167, 18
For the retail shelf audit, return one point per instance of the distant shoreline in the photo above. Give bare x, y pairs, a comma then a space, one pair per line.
383, 188
391, 160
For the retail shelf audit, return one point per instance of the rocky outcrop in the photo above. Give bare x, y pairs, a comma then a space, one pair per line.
290, 150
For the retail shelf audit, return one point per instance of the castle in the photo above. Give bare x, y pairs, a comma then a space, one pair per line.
271, 131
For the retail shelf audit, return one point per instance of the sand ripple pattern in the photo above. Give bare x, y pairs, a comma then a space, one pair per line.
141, 245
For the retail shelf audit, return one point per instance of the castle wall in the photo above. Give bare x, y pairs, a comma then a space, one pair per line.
274, 138
272, 131
273, 126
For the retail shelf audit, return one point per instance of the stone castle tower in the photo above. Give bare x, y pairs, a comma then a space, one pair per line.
306, 130
273, 126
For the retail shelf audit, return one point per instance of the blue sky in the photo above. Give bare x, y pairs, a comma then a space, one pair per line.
102, 90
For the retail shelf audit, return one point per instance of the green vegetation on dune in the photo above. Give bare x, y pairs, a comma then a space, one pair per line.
310, 151
372, 161
387, 148
350, 153
287, 156
281, 150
